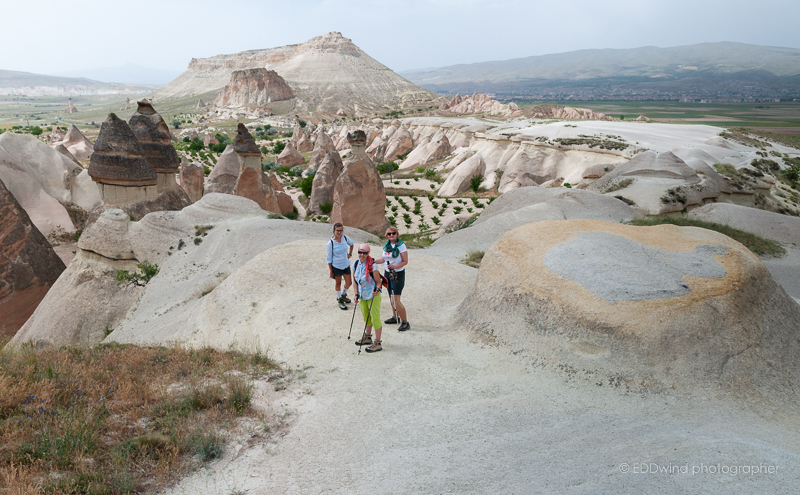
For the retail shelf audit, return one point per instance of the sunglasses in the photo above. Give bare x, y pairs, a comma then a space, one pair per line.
363, 252
391, 233
339, 230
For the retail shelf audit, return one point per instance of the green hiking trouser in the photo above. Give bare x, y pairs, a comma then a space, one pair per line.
372, 317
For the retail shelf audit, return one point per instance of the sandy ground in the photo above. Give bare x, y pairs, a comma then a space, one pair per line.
435, 412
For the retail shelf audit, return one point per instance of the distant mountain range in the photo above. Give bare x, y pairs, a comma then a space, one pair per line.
125, 74
30, 84
733, 69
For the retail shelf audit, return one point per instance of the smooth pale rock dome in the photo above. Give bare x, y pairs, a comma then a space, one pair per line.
639, 307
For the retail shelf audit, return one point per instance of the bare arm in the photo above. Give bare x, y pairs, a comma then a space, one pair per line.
403, 262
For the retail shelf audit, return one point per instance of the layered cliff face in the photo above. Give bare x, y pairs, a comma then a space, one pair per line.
326, 73
253, 88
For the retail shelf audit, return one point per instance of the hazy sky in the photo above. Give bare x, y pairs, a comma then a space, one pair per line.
48, 36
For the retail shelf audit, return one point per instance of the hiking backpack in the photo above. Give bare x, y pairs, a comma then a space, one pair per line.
370, 266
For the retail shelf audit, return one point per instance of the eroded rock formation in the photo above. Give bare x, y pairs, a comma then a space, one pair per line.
155, 139
28, 265
290, 157
328, 164
77, 144
192, 177
119, 165
359, 198
70, 107
252, 89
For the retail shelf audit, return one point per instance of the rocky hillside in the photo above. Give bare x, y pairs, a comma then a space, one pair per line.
30, 84
326, 73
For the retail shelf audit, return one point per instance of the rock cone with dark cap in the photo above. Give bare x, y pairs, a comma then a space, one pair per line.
28, 265
244, 144
153, 135
359, 198
251, 182
119, 165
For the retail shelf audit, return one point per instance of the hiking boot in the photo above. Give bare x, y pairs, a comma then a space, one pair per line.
365, 340
374, 347
392, 320
403, 327
346, 299
342, 305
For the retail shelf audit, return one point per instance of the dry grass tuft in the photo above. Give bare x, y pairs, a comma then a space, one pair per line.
117, 418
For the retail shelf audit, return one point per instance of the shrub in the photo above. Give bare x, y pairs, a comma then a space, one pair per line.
140, 278
387, 167
278, 147
208, 445
306, 184
568, 185
430, 174
195, 145
475, 182
474, 258
325, 207
176, 124
240, 392
302, 123
36, 130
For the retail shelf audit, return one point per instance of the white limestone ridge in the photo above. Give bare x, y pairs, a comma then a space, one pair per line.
327, 70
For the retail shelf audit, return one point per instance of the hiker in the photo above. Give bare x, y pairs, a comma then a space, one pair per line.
395, 256
368, 297
339, 264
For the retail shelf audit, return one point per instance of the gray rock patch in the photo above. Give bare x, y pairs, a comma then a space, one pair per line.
615, 268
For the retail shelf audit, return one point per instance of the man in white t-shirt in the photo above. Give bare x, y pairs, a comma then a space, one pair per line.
395, 257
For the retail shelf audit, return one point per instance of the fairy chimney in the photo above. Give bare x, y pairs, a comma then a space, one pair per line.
251, 182
71, 108
119, 165
153, 135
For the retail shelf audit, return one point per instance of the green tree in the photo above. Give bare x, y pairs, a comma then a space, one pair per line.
278, 147
36, 130
475, 182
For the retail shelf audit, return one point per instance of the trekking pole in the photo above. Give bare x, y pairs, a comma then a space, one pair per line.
367, 319
353, 318
392, 278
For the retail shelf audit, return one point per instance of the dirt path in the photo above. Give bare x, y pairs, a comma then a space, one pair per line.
435, 413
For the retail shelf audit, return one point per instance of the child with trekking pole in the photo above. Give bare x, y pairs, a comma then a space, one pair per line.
338, 257
368, 296
395, 257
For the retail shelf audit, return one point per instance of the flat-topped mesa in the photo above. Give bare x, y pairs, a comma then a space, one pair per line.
119, 165
153, 135
253, 89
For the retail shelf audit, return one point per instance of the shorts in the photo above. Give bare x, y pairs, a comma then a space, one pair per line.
396, 288
338, 272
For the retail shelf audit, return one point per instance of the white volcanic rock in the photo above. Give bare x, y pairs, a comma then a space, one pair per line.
525, 205
290, 157
479, 103
77, 144
328, 71
400, 143
300, 140
783, 228
252, 89
224, 174
435, 148
458, 180
560, 293
56, 135
108, 236
43, 180
70, 107
64, 151
659, 183
328, 165
563, 112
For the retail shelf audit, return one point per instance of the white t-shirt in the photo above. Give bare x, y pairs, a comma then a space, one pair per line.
389, 259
